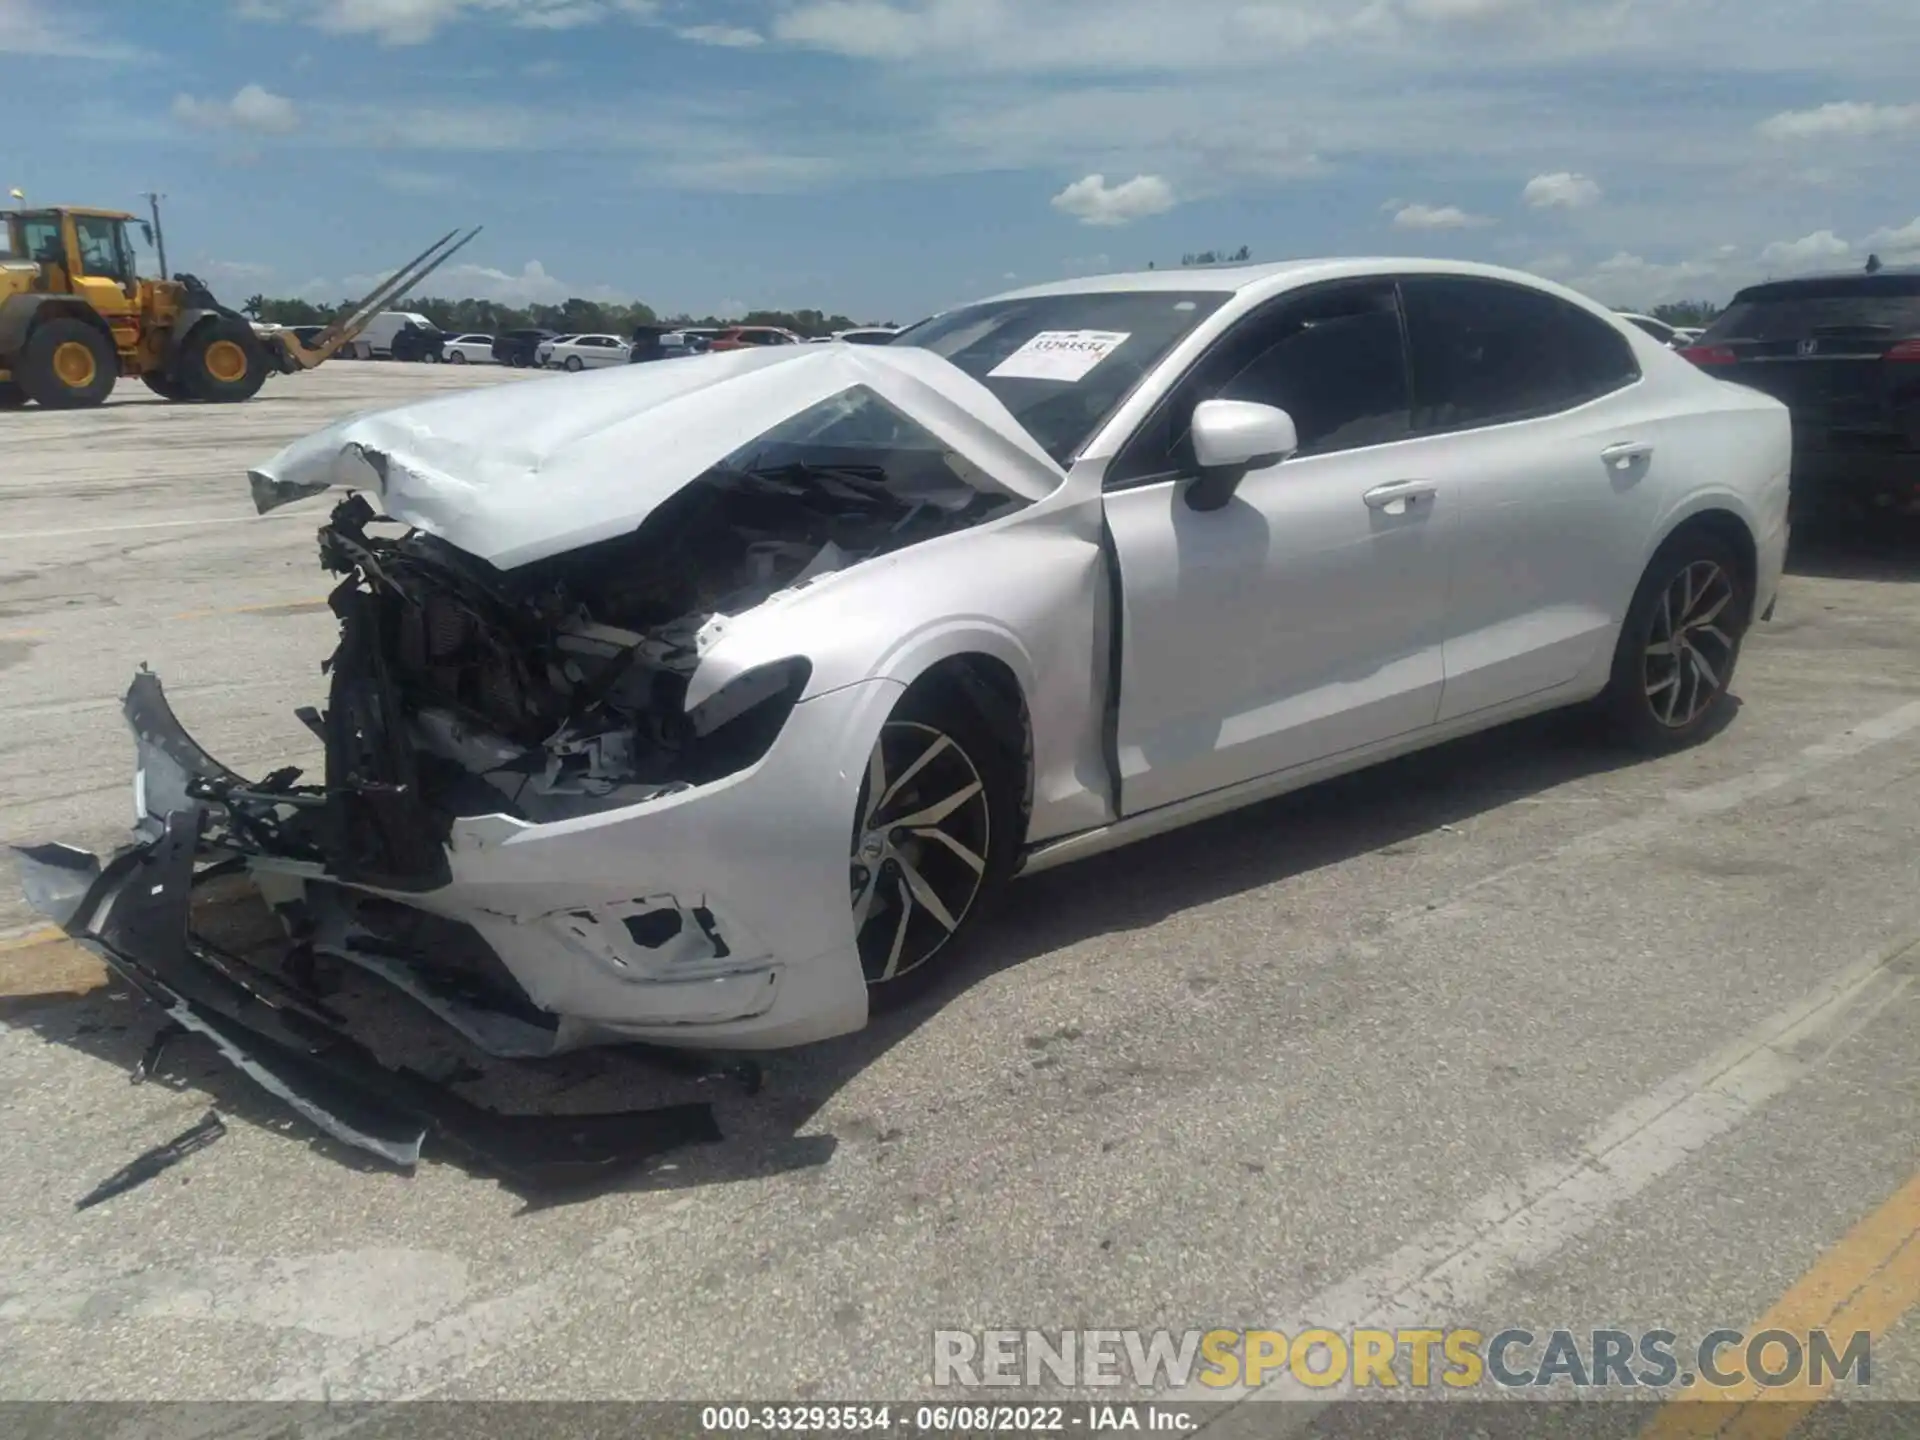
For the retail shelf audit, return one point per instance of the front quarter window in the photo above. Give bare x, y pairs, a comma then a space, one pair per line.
1062, 363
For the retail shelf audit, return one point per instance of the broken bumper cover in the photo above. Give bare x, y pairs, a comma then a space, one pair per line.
133, 911
715, 917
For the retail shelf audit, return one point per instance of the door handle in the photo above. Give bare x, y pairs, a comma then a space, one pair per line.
1398, 493
1622, 455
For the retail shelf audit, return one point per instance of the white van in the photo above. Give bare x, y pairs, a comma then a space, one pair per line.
376, 341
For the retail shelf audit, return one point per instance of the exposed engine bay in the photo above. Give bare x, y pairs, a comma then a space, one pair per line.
558, 688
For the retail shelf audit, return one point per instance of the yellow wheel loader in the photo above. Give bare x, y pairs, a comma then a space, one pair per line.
75, 317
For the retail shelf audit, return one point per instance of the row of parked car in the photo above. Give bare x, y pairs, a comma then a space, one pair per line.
406, 335
1677, 337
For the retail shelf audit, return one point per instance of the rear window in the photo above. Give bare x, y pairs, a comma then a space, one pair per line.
1873, 304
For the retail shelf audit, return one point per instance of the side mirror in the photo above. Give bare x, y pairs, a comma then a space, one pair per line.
147, 230
1231, 437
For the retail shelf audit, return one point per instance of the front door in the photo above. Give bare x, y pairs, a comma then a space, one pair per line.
1304, 618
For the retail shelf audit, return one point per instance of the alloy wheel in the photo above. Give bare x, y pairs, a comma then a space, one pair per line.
920, 848
1690, 647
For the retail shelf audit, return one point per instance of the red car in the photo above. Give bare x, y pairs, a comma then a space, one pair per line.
741, 336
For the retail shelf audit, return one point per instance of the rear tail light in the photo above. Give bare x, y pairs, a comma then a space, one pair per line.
1710, 355
1907, 351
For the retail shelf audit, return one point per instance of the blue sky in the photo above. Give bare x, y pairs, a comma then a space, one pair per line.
887, 157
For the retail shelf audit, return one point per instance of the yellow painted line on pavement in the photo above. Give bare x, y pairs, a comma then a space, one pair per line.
39, 935
45, 968
1867, 1281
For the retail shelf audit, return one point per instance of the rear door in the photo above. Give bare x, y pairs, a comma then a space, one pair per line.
1842, 353
1550, 451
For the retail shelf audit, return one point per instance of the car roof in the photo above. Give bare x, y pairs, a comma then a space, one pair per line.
1256, 281
1888, 280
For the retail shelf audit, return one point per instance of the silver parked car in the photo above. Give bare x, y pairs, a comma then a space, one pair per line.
707, 703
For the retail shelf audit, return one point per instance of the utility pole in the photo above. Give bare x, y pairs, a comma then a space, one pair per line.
159, 235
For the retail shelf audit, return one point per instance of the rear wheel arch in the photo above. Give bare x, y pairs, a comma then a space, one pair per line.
1679, 644
1730, 530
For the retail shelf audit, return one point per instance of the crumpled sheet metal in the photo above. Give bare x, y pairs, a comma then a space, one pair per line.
133, 911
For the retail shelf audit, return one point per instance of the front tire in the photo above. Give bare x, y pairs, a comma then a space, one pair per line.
222, 362
458, 357
933, 843
1679, 646
575, 364
67, 365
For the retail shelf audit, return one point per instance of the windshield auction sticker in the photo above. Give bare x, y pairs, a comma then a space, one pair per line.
1059, 355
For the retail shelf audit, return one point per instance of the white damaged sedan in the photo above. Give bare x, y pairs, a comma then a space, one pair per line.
707, 704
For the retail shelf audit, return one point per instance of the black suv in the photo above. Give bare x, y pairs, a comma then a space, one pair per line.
1842, 352
415, 342
517, 347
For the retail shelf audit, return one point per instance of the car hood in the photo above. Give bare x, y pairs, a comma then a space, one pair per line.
516, 472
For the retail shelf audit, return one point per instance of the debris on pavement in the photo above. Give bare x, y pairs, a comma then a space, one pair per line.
143, 1168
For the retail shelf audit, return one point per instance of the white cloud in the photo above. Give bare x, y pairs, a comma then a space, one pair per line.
26, 29
744, 172
416, 182
412, 22
232, 274
253, 109
439, 127
1561, 190
530, 285
1629, 280
732, 37
1821, 245
1153, 36
1899, 242
1092, 201
1436, 217
1844, 119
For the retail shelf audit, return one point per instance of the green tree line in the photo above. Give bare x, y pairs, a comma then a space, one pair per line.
574, 317
1689, 314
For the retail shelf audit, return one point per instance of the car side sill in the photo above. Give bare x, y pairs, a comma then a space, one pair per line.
1086, 843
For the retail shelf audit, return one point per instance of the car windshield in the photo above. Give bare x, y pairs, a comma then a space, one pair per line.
1061, 363
855, 442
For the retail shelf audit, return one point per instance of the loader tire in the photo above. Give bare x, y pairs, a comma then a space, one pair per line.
165, 386
12, 397
67, 365
221, 361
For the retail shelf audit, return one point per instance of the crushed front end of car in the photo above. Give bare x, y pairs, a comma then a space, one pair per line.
547, 813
